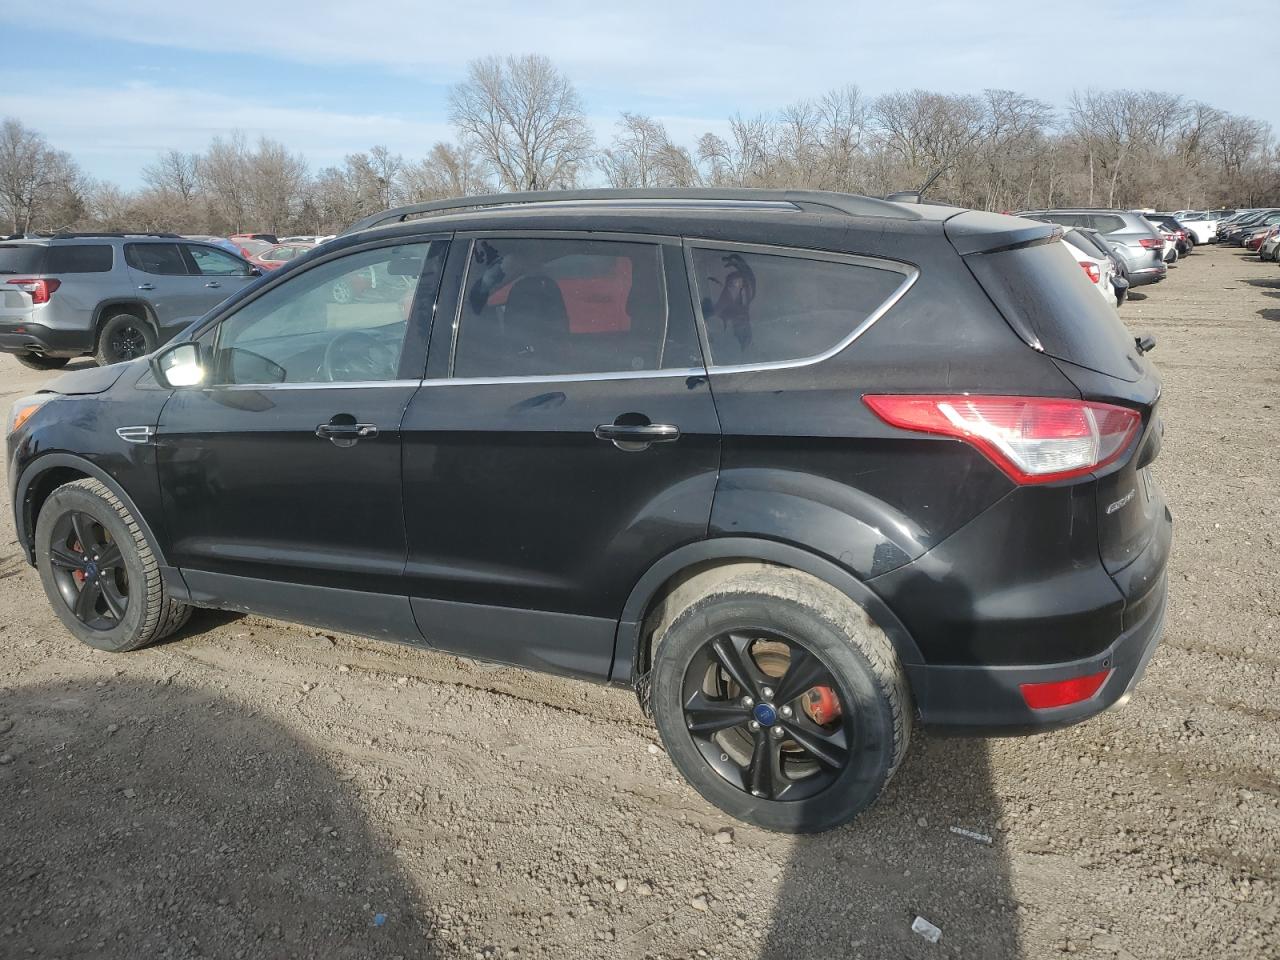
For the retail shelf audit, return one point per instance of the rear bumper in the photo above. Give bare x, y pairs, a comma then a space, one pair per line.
26, 337
1152, 274
987, 699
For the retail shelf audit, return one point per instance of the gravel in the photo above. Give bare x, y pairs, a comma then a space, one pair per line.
209, 798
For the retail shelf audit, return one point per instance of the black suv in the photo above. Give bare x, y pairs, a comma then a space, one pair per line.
802, 468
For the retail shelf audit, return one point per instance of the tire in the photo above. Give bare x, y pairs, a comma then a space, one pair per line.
124, 336
35, 361
755, 612
88, 515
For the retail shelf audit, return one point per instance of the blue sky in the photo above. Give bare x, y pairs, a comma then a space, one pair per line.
116, 81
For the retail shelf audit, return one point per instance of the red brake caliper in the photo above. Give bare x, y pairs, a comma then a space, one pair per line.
822, 705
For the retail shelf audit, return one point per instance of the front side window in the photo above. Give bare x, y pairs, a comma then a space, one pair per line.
770, 308
217, 263
162, 259
340, 322
550, 307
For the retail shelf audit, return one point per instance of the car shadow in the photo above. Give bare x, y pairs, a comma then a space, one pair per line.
1270, 313
1265, 284
1135, 295
150, 819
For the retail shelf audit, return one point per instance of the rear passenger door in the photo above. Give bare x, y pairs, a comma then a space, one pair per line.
564, 441
165, 279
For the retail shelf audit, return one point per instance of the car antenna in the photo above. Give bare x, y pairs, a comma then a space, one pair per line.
915, 196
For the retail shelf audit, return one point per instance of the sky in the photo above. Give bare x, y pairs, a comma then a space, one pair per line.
114, 82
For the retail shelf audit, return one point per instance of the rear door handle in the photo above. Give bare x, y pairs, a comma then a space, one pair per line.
637, 436
146, 286
346, 434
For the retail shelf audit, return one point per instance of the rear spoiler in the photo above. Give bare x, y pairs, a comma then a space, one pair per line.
976, 232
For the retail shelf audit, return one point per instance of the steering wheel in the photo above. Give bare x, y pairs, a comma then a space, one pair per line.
355, 356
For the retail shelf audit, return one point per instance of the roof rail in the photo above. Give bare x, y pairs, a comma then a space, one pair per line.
814, 200
74, 235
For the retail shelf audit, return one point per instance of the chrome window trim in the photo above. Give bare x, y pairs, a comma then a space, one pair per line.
909, 272
317, 385
567, 377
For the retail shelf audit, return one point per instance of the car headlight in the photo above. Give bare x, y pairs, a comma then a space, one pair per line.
24, 408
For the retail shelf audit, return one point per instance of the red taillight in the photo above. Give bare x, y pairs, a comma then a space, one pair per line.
1032, 439
1151, 243
40, 290
1092, 270
1060, 693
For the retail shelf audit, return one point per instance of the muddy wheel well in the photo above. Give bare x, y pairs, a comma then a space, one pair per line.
39, 491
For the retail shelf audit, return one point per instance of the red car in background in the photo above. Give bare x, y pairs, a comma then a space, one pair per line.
268, 237
277, 255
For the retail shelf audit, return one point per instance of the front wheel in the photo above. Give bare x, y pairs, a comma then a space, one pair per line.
100, 573
780, 701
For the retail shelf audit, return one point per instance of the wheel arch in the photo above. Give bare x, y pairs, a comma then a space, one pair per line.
45, 474
109, 308
721, 557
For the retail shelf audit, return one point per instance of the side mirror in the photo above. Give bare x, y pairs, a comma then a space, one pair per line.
179, 366
255, 271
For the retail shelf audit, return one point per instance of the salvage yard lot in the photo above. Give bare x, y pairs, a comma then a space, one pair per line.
256, 789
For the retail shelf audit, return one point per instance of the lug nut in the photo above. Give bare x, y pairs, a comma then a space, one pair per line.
778, 731
748, 702
786, 711
767, 693
754, 725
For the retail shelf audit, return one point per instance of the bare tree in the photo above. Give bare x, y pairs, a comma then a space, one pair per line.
448, 170
32, 175
635, 157
525, 120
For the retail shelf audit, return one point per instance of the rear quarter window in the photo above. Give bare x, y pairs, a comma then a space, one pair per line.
1041, 289
21, 258
1105, 223
81, 258
771, 308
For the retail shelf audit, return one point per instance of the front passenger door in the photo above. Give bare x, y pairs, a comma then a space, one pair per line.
222, 274
281, 474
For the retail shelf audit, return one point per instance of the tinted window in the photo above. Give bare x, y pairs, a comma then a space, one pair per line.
1087, 244
80, 258
343, 321
21, 258
164, 259
763, 308
217, 263
544, 307
1045, 296
1105, 223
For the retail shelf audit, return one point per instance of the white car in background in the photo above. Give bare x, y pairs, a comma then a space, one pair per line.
1098, 271
1199, 225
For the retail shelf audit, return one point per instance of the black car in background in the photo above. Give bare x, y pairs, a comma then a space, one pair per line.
805, 469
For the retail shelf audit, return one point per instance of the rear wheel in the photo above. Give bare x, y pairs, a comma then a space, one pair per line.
99, 572
124, 337
780, 701
37, 362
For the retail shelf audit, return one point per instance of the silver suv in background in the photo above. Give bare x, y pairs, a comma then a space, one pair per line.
1131, 235
111, 296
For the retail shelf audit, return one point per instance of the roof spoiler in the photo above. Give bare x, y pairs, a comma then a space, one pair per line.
977, 232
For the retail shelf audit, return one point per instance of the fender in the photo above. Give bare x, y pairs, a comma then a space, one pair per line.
627, 643
25, 523
133, 304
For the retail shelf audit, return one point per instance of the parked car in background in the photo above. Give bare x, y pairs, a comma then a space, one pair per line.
1252, 240
1094, 244
251, 248
1200, 224
1267, 249
757, 480
267, 237
1183, 239
222, 242
112, 296
1143, 246
314, 239
1097, 267
1234, 235
276, 256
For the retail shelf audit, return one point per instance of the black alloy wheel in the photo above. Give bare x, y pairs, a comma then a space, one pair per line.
128, 342
89, 571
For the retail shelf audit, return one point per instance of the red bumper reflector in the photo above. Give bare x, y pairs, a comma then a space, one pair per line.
1060, 693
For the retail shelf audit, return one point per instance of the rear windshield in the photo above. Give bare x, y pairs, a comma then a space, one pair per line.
21, 258
60, 259
1045, 295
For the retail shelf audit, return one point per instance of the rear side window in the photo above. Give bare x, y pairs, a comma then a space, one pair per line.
1105, 223
562, 307
164, 259
771, 308
80, 258
1045, 296
21, 258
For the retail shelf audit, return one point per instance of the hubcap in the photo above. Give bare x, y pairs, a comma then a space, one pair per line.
767, 715
89, 571
128, 343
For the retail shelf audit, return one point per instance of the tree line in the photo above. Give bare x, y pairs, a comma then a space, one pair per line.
521, 125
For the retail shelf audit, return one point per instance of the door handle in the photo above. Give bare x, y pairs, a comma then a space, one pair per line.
343, 434
637, 436
146, 286
213, 283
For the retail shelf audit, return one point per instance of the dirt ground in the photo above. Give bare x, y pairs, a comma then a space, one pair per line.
254, 789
